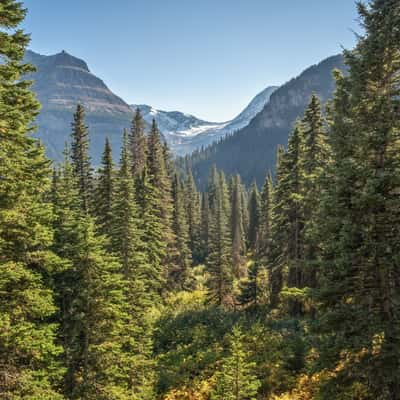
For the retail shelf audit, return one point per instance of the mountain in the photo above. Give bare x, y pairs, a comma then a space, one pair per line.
185, 133
251, 151
60, 83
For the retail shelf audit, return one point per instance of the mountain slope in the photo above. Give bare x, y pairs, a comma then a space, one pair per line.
62, 81
251, 151
185, 133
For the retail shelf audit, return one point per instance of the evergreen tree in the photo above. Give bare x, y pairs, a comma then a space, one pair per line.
204, 226
80, 157
127, 244
254, 216
264, 231
285, 257
93, 306
360, 218
236, 379
253, 289
192, 205
179, 276
313, 161
137, 140
152, 228
28, 353
104, 194
159, 179
237, 229
219, 246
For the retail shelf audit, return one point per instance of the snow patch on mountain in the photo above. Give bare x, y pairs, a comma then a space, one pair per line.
185, 132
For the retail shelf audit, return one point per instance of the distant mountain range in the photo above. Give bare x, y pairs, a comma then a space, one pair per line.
185, 132
251, 151
62, 81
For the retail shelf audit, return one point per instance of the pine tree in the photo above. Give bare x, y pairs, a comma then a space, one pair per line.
204, 226
192, 205
253, 290
236, 380
138, 147
254, 216
127, 244
159, 179
104, 193
219, 246
237, 229
28, 353
264, 231
93, 304
179, 276
152, 228
314, 158
80, 157
360, 217
287, 226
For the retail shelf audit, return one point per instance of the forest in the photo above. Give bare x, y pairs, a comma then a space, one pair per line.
127, 282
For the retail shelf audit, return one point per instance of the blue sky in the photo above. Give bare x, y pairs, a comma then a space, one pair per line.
205, 57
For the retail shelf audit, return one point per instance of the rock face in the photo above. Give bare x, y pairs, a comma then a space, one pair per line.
251, 151
185, 133
61, 82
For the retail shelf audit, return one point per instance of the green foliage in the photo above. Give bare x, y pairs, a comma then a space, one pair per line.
28, 350
235, 379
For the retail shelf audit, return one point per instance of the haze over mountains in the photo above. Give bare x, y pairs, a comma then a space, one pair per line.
62, 81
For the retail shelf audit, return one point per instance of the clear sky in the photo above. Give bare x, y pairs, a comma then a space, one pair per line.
204, 57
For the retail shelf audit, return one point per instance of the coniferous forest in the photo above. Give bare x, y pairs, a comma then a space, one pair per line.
124, 281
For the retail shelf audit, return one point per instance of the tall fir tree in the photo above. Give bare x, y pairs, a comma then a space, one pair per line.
137, 142
104, 193
360, 217
314, 158
192, 205
264, 230
128, 245
28, 353
180, 275
219, 264
237, 228
158, 177
93, 305
254, 216
81, 159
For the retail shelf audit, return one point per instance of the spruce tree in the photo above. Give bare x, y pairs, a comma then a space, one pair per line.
264, 231
93, 304
104, 193
138, 147
28, 353
236, 380
159, 179
204, 226
285, 259
192, 206
360, 217
80, 157
237, 229
254, 216
127, 244
219, 264
179, 276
